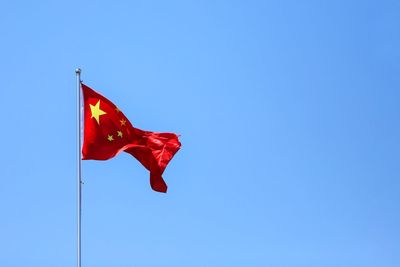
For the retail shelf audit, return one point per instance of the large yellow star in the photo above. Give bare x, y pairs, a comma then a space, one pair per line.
96, 111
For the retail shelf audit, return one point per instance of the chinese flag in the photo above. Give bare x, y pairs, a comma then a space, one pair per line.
107, 132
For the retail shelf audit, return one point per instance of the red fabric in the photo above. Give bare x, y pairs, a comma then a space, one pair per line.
107, 132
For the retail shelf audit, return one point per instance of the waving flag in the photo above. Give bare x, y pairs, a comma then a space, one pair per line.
107, 132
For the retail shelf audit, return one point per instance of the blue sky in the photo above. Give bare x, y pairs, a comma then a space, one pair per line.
289, 116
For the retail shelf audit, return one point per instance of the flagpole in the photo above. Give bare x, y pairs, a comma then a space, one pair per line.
79, 164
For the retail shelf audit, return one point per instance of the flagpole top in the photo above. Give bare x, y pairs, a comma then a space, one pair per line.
78, 71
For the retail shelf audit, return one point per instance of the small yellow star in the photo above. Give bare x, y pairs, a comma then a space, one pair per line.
96, 111
110, 137
119, 133
123, 122
117, 110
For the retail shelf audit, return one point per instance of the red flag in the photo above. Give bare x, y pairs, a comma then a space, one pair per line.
107, 132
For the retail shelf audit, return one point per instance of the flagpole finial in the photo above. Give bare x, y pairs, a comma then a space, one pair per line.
78, 70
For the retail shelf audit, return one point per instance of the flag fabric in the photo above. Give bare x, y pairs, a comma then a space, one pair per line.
107, 132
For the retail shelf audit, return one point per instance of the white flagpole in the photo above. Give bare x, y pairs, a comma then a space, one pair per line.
79, 164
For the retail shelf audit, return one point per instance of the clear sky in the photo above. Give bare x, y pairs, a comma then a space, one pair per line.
289, 116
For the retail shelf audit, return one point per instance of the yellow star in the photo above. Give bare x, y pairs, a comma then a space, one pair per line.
123, 122
110, 137
117, 110
119, 133
96, 111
